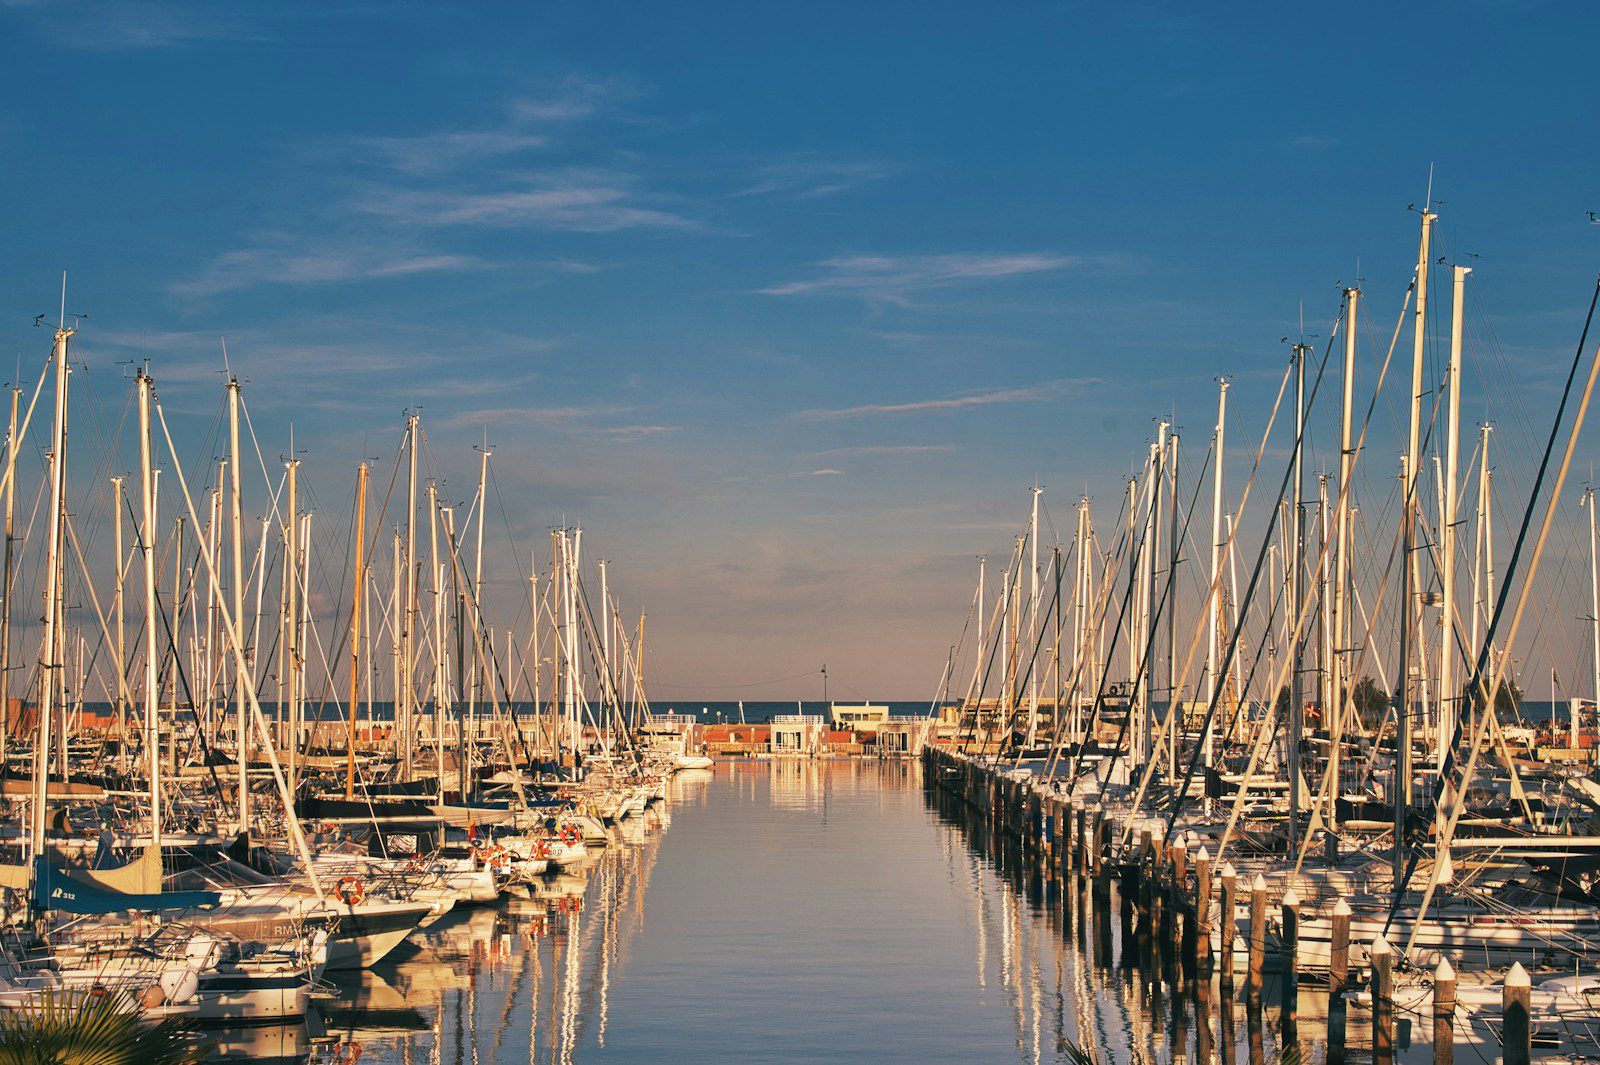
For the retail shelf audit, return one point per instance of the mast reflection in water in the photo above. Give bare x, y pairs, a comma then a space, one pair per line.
796, 911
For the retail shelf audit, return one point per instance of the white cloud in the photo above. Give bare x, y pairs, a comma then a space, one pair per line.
883, 449
809, 176
581, 201
896, 279
280, 259
434, 152
1028, 394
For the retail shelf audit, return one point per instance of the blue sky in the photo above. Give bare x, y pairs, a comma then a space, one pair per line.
787, 305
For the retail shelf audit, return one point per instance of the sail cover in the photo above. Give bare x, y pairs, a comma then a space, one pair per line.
57, 889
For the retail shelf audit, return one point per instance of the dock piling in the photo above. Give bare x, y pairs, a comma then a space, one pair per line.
1444, 1014
1228, 918
1517, 1033
1383, 1001
1258, 938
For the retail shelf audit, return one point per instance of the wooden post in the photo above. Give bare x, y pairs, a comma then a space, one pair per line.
1517, 1034
1383, 1002
1291, 952
1258, 937
1338, 980
1096, 840
1067, 840
1202, 911
1339, 949
1444, 1014
1228, 920
1289, 1008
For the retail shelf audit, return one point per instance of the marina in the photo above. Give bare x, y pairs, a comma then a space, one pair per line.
1057, 534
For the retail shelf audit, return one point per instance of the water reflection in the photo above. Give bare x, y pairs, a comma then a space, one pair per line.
798, 910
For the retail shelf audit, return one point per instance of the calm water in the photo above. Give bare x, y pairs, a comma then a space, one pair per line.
782, 911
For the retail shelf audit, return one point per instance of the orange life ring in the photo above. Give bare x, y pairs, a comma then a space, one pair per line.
570, 835
350, 890
541, 848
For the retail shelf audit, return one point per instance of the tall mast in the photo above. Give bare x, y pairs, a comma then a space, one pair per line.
291, 619
120, 611
1338, 683
983, 631
241, 699
605, 630
408, 625
1135, 570
176, 631
147, 503
50, 667
1448, 695
396, 626
358, 585
1033, 609
438, 632
1081, 648
1402, 790
1174, 733
214, 540
1295, 584
1214, 602
5, 587
1594, 603
533, 638
477, 619
575, 673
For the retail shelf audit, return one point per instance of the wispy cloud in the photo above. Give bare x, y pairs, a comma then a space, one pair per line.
109, 25
524, 125
826, 472
882, 449
1028, 394
431, 153
575, 98
809, 176
591, 201
896, 279
469, 178
592, 420
281, 259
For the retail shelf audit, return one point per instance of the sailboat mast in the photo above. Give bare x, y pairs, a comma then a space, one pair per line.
408, 625
50, 667
1080, 617
477, 618
1033, 610
147, 503
1295, 585
1338, 683
1448, 695
291, 621
358, 593
1214, 602
436, 573
241, 702
396, 627
120, 616
1402, 789
5, 583
1594, 601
